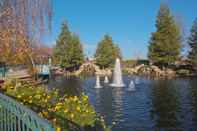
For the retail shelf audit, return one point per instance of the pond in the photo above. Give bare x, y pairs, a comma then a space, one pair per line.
155, 105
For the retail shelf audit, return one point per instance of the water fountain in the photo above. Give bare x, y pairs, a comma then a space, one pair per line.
98, 85
106, 80
137, 80
117, 75
131, 86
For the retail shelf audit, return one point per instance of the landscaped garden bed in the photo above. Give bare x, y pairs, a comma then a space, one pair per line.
64, 112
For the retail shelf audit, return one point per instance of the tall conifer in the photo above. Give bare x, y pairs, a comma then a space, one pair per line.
107, 52
68, 51
165, 43
192, 41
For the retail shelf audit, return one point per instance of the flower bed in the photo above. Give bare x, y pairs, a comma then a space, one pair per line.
65, 113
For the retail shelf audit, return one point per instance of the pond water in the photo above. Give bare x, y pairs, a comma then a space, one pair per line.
155, 105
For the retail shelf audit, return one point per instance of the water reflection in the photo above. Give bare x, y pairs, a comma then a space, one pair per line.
165, 105
109, 103
66, 85
156, 105
193, 97
117, 95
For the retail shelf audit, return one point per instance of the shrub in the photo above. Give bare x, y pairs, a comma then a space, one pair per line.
61, 111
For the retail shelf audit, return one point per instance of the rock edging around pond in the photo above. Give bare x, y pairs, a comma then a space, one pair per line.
146, 70
93, 68
155, 71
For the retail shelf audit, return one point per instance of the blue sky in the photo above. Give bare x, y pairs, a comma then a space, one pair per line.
129, 22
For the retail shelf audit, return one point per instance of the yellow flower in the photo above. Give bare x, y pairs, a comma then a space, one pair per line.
65, 99
45, 101
19, 96
30, 101
78, 108
65, 111
57, 107
85, 98
48, 97
71, 115
38, 96
58, 129
59, 104
11, 87
45, 113
75, 98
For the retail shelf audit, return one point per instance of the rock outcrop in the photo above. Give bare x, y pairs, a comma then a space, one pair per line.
151, 71
96, 69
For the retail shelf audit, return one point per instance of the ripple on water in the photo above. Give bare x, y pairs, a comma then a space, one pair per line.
148, 108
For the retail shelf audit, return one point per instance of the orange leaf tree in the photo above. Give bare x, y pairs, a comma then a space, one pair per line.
22, 23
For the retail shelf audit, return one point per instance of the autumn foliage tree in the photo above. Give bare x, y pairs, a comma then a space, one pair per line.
22, 23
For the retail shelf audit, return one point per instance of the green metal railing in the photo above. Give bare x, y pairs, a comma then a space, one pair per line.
16, 117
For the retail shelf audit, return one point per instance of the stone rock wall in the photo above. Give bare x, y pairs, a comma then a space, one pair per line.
151, 71
97, 70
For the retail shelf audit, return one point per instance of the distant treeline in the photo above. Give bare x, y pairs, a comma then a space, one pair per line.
164, 49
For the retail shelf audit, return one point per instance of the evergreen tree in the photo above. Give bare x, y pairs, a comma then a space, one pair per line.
117, 52
192, 41
74, 56
165, 43
62, 41
107, 52
68, 52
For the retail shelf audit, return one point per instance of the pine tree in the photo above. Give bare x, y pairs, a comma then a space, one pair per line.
192, 41
117, 52
165, 43
68, 52
62, 41
107, 52
74, 56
